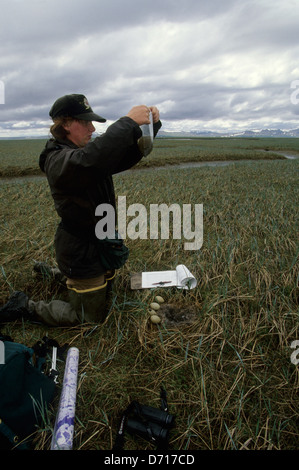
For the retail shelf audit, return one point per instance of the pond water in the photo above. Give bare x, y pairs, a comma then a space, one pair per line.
213, 164
34, 178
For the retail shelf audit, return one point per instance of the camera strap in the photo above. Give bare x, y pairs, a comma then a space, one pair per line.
163, 395
136, 408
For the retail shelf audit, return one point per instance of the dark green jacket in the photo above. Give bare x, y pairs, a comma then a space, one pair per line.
80, 179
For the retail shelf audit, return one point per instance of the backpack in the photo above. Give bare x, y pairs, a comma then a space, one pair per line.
25, 392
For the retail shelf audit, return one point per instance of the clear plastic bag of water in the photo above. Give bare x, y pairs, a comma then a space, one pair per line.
146, 141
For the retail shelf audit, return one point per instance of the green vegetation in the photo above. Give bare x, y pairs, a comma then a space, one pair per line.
20, 157
171, 151
228, 373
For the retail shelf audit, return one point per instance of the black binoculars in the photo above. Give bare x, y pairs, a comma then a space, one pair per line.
150, 423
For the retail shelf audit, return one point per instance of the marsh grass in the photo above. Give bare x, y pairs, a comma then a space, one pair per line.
228, 374
20, 157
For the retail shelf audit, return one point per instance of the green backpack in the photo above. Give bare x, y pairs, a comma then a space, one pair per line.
25, 392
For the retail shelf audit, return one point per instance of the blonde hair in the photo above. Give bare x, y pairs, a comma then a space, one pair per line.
58, 130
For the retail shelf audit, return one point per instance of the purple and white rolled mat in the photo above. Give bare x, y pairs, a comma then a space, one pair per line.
63, 433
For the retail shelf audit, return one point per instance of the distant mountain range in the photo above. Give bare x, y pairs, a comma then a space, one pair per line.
195, 133
260, 133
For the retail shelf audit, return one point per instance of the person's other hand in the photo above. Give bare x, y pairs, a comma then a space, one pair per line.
155, 113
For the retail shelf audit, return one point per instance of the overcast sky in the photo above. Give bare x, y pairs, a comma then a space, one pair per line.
220, 65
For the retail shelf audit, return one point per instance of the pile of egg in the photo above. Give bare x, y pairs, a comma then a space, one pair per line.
154, 307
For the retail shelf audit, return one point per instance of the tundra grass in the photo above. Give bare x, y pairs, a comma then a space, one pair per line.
228, 374
20, 157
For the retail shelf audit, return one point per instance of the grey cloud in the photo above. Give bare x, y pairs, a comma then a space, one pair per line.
201, 61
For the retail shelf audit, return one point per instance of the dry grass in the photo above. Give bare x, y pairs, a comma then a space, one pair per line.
228, 373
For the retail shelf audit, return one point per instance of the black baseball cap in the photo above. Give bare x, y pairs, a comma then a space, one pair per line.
75, 106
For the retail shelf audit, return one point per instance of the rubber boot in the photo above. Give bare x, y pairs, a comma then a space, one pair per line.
90, 305
16, 307
110, 276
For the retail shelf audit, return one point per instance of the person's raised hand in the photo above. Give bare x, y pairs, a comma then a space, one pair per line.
139, 114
